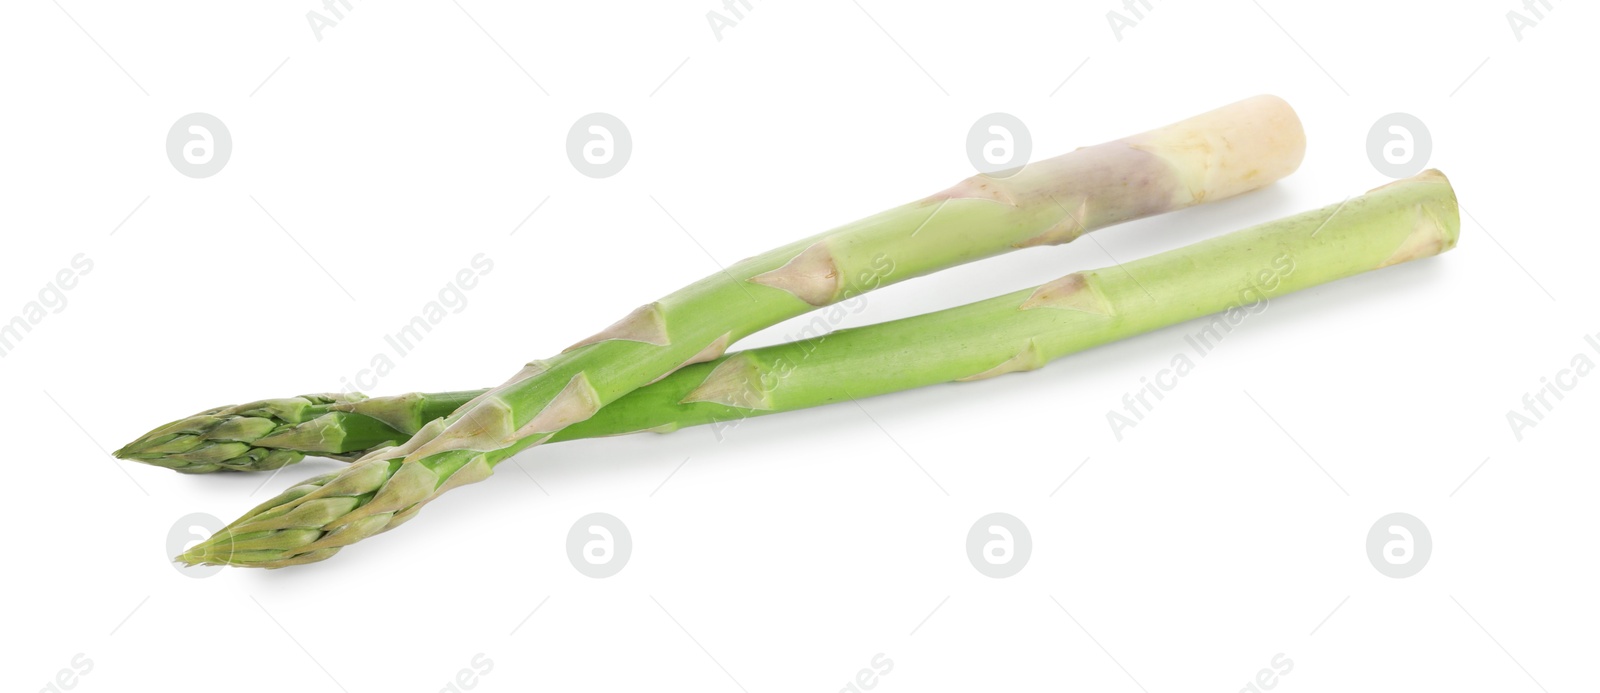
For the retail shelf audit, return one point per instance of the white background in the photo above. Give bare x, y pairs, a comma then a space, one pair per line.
785, 557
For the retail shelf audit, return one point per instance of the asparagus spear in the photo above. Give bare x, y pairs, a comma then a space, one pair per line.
1402, 221
1215, 155
273, 433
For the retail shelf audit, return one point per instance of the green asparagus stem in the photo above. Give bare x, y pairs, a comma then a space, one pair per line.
1402, 221
1219, 154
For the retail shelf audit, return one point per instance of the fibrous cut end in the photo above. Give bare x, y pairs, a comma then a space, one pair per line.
1235, 149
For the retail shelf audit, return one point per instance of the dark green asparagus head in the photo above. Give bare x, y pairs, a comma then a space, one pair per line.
257, 436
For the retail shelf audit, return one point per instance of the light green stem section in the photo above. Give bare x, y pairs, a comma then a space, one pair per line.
1021, 331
